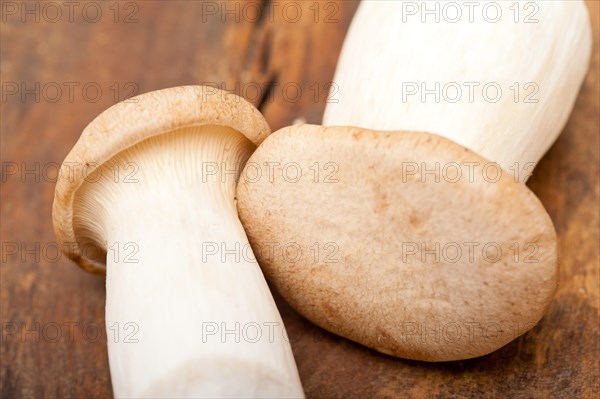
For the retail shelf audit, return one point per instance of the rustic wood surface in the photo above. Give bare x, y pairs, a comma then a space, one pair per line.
181, 42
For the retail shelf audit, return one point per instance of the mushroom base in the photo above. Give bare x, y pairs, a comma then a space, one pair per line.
188, 307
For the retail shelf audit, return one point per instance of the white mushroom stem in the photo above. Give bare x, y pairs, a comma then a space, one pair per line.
194, 315
397, 72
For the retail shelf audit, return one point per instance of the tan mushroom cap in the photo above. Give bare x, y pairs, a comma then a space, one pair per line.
340, 244
128, 123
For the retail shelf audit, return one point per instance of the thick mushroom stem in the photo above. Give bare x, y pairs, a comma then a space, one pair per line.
188, 312
499, 78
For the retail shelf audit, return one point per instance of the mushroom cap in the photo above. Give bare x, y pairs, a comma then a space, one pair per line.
126, 124
339, 242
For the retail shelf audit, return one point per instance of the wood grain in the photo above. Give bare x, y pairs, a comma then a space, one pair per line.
182, 42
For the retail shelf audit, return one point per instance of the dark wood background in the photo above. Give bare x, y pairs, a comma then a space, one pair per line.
181, 42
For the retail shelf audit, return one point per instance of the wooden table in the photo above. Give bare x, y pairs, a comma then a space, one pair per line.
137, 47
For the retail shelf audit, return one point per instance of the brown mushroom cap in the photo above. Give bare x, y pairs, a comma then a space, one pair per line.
337, 244
128, 123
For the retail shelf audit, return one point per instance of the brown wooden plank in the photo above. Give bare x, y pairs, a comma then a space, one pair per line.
182, 42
